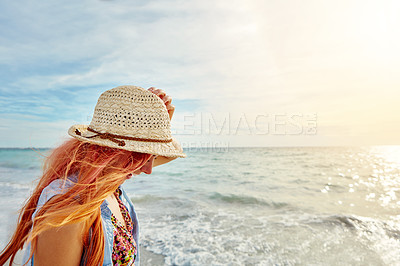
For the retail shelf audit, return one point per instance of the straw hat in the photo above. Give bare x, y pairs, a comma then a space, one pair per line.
133, 119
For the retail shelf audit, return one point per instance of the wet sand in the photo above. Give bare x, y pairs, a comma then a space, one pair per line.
150, 258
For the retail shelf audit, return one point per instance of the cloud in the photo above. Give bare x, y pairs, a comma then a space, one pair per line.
190, 48
218, 56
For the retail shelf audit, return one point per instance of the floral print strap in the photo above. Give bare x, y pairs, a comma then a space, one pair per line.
124, 247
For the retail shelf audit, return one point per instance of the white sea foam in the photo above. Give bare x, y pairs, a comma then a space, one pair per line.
229, 238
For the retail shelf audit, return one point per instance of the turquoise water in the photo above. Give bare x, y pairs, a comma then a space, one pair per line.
254, 206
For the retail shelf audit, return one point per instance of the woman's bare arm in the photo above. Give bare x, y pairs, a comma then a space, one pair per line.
162, 160
171, 109
59, 246
159, 160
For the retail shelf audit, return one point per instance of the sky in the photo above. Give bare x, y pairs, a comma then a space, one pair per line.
241, 73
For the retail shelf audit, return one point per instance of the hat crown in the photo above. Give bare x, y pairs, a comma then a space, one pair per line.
131, 111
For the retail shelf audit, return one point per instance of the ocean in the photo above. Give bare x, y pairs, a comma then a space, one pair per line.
252, 206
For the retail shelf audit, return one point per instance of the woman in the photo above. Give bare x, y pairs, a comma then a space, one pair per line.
79, 213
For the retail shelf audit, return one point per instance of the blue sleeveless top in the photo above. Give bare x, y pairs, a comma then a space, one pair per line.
59, 186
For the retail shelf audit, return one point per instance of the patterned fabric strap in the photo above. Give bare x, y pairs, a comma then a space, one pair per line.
124, 247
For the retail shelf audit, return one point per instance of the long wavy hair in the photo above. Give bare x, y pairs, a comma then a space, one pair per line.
100, 170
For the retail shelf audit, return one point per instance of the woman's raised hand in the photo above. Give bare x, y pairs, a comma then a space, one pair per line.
167, 100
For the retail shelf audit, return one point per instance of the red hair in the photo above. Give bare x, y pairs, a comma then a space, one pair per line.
100, 170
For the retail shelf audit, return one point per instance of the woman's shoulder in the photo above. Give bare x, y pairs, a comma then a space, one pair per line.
64, 243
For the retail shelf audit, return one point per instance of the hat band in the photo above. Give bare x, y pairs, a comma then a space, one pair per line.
115, 138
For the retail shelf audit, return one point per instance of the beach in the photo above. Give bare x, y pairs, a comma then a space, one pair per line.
252, 206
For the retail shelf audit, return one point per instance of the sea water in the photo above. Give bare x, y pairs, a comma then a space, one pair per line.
252, 206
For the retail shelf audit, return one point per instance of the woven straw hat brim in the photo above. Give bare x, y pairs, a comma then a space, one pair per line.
169, 149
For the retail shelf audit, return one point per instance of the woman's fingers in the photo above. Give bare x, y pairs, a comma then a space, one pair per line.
166, 99
171, 110
158, 92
